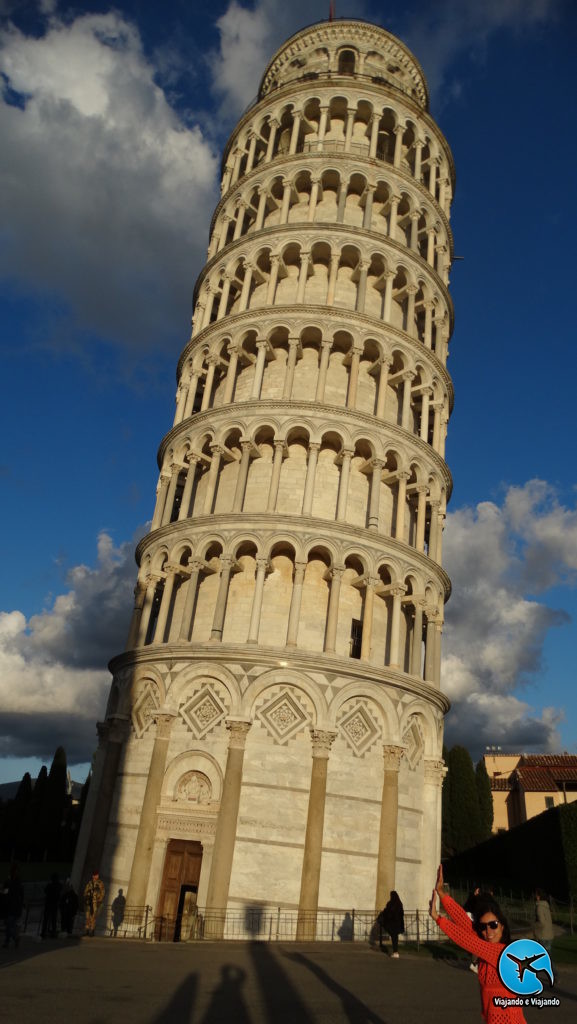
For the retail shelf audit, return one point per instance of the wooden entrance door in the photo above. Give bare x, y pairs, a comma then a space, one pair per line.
179, 888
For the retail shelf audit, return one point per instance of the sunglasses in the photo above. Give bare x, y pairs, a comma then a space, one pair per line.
493, 925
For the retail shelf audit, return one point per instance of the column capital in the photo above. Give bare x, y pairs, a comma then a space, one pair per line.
434, 771
322, 740
314, 446
263, 564
398, 589
164, 718
238, 729
392, 756
336, 571
408, 374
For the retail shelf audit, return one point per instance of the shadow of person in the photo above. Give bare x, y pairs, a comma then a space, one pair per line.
180, 1008
118, 908
356, 1012
282, 999
227, 1001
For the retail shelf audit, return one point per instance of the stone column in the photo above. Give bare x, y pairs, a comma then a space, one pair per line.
192, 386
399, 132
414, 237
431, 247
261, 347
323, 368
261, 209
368, 214
261, 568
245, 290
272, 281
351, 111
429, 307
432, 176
418, 157
220, 608
286, 198
417, 644
311, 870
411, 325
314, 199
171, 492
295, 608
211, 482
251, 151
434, 773
395, 200
342, 202
139, 597
407, 378
294, 134
387, 856
224, 294
430, 649
362, 287
186, 621
161, 492
139, 875
310, 478
111, 737
367, 634
181, 394
374, 136
221, 867
189, 484
347, 455
290, 368
242, 477
336, 576
422, 491
388, 303
353, 378
374, 501
397, 592
233, 353
401, 505
274, 126
275, 476
322, 126
333, 274
434, 530
384, 365
169, 581
207, 393
146, 610
303, 275
437, 652
426, 398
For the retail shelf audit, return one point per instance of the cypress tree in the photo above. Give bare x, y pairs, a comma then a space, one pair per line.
35, 838
465, 814
55, 804
485, 798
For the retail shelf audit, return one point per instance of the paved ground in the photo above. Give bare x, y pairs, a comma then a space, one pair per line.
107, 981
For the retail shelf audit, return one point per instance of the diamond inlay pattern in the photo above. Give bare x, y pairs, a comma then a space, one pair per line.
283, 717
144, 709
359, 729
414, 745
202, 712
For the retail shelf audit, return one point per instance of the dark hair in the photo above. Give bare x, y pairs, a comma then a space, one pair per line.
489, 906
395, 899
541, 895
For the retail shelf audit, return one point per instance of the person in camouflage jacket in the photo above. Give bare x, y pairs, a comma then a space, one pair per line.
93, 900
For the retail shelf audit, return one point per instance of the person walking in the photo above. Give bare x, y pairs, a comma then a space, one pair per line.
487, 939
68, 907
93, 899
51, 903
13, 905
392, 920
543, 930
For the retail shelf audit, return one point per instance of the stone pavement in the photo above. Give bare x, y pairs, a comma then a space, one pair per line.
107, 981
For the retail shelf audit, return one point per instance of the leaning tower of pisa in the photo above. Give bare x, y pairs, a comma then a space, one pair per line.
274, 730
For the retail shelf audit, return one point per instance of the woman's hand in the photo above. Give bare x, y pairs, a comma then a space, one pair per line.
433, 905
440, 882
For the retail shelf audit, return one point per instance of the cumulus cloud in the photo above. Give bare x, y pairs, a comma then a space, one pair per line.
53, 677
102, 186
499, 557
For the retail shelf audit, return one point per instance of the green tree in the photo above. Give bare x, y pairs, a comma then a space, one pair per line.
55, 805
465, 814
485, 798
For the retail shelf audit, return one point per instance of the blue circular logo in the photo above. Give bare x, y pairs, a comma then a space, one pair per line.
522, 965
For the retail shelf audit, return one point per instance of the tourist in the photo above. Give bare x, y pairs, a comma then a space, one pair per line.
93, 900
68, 907
392, 920
543, 930
486, 938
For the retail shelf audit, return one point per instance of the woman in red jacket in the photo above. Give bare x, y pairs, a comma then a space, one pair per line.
486, 938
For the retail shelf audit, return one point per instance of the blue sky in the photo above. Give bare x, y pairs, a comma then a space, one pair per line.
113, 120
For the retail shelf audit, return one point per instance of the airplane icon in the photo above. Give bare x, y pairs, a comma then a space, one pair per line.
526, 964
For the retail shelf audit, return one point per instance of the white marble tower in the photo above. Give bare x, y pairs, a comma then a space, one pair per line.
274, 730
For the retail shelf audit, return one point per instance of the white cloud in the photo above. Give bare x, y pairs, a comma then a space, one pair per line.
497, 557
104, 192
53, 678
